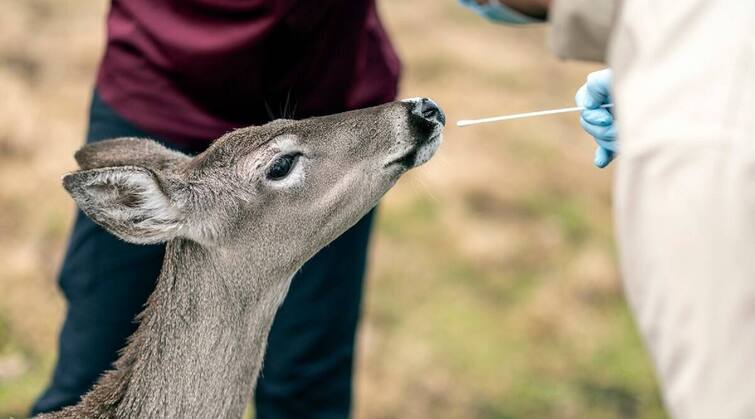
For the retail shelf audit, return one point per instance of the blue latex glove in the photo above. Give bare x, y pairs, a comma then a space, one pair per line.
597, 121
497, 12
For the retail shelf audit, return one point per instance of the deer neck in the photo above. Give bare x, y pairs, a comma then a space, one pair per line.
201, 340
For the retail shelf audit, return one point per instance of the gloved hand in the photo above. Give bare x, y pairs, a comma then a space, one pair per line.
598, 121
496, 11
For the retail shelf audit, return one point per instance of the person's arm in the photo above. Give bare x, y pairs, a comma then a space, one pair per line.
537, 9
581, 29
510, 11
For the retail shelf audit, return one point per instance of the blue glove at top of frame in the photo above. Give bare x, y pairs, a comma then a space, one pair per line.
597, 121
495, 11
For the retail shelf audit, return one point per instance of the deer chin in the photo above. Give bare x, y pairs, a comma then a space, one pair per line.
418, 154
427, 150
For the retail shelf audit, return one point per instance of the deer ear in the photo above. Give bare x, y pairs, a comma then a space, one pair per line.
128, 201
129, 151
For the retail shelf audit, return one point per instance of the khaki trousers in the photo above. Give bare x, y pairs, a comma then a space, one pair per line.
685, 196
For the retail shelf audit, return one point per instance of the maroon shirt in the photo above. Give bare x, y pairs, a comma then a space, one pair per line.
191, 70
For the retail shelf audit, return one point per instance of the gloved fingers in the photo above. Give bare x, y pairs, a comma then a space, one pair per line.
581, 96
603, 157
597, 121
584, 97
600, 116
598, 88
605, 136
608, 143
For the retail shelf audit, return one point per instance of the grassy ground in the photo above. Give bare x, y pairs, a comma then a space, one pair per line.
493, 289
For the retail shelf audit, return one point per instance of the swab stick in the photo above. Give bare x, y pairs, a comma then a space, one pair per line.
468, 122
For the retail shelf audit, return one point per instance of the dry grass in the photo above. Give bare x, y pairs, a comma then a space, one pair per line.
493, 290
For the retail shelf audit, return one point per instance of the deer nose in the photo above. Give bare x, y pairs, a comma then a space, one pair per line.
431, 111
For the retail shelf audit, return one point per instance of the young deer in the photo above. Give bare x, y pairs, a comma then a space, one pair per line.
240, 219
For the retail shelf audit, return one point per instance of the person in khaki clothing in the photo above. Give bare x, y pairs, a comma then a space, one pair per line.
683, 81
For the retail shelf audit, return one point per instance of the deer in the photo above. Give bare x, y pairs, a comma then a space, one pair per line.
239, 220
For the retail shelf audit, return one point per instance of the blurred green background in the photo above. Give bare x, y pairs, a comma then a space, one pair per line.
493, 289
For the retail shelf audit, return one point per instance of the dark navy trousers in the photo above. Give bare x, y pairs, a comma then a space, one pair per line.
307, 371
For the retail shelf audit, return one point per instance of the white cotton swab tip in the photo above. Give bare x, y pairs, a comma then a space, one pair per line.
468, 122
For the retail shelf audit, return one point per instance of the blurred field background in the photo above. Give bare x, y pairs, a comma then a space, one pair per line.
493, 288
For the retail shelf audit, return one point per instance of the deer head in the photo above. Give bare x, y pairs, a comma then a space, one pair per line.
284, 189
241, 218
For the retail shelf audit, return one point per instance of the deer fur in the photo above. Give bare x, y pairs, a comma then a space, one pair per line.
234, 238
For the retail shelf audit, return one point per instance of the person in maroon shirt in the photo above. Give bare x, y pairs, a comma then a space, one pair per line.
184, 73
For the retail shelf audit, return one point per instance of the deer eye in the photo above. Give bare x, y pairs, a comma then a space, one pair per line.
282, 166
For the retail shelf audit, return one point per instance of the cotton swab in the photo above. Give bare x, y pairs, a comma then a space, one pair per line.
468, 122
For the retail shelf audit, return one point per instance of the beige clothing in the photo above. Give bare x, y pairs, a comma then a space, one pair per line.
685, 196
581, 29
